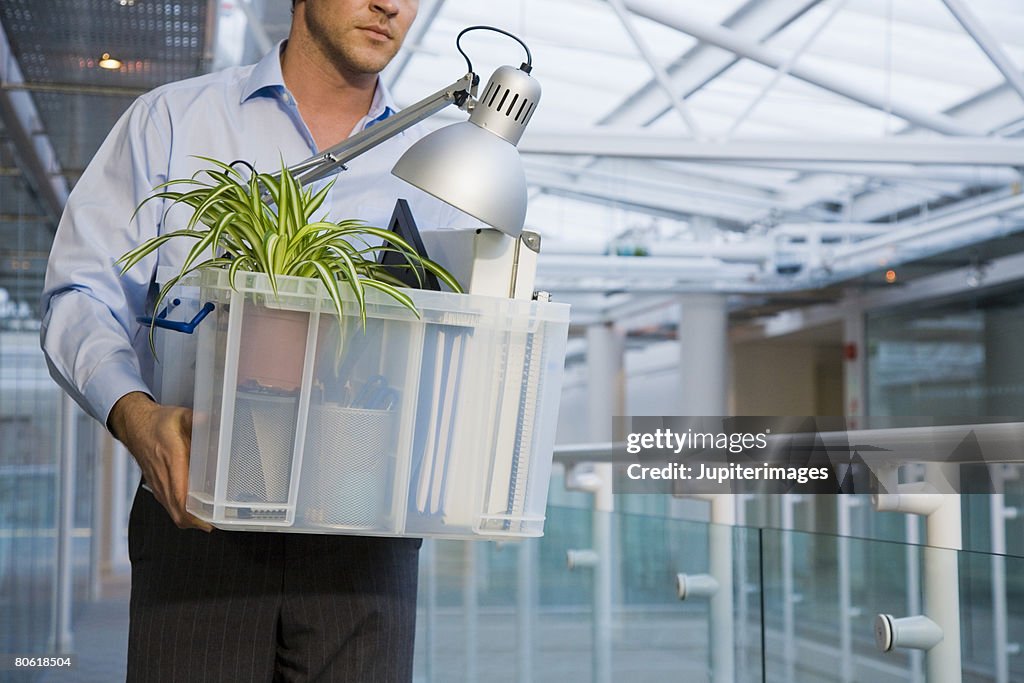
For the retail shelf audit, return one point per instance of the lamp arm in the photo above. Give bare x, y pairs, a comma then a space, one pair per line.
460, 93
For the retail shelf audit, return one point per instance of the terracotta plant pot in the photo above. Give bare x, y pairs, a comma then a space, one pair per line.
272, 349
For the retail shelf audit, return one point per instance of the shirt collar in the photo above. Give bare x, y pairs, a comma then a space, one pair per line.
266, 78
382, 106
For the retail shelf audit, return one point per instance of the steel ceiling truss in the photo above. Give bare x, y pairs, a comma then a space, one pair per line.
964, 151
22, 125
742, 46
987, 42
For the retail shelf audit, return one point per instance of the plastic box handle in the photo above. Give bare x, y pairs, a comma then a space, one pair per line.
177, 325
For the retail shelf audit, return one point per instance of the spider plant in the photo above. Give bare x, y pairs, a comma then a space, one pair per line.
234, 228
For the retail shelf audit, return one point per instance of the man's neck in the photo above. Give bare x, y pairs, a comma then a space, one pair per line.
331, 102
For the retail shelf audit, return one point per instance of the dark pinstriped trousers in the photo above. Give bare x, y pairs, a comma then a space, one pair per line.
238, 606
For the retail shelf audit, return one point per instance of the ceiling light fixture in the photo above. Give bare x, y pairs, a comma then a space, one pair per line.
108, 62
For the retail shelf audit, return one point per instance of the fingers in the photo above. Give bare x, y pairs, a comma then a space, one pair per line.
179, 479
186, 424
160, 439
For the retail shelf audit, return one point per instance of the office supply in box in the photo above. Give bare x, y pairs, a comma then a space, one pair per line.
403, 224
489, 262
441, 425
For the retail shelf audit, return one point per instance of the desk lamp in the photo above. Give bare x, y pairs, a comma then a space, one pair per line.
472, 165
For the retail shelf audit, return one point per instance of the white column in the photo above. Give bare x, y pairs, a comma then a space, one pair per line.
98, 519
103, 511
526, 607
605, 398
703, 384
428, 560
123, 466
703, 355
470, 607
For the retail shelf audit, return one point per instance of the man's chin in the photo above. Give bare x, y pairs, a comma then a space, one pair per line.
370, 61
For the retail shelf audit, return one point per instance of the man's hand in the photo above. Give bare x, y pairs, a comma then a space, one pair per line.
159, 438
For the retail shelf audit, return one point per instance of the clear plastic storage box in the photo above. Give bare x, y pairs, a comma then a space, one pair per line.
441, 425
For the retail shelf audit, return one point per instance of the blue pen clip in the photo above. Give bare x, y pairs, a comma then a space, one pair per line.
177, 325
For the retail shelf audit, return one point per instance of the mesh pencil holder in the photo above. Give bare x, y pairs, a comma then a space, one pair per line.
261, 458
350, 461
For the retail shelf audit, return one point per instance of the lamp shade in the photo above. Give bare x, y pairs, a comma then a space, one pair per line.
472, 169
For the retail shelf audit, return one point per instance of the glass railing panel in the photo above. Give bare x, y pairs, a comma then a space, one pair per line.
506, 611
992, 616
29, 447
822, 593
791, 606
519, 612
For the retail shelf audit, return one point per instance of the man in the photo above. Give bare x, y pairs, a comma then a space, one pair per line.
233, 606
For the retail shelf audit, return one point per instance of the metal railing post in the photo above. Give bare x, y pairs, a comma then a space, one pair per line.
596, 478
602, 536
999, 514
789, 595
65, 520
721, 618
940, 575
913, 538
847, 611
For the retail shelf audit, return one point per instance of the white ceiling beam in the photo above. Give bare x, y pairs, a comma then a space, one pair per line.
976, 175
922, 15
660, 76
988, 44
901, 243
764, 179
727, 39
917, 57
891, 150
757, 20
654, 201
907, 241
626, 177
630, 172
785, 68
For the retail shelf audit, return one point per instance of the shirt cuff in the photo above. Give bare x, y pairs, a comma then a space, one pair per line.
114, 379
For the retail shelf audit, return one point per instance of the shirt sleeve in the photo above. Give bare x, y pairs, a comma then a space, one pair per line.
89, 308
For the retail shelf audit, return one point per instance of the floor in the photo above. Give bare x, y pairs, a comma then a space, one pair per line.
101, 638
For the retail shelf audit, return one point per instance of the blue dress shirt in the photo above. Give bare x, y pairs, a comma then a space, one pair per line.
95, 348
